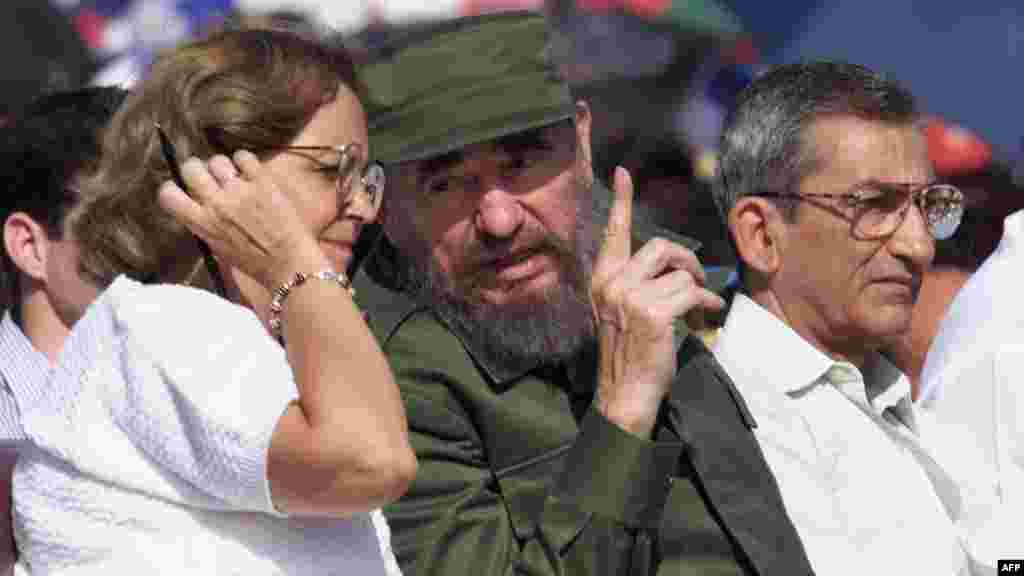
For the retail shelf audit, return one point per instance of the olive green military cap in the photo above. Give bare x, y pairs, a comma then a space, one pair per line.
445, 86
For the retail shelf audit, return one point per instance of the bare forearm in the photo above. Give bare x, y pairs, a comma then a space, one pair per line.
341, 372
351, 412
342, 446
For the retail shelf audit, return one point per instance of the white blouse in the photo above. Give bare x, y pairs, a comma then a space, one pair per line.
149, 449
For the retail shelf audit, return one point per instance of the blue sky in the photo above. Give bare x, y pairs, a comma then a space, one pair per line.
962, 59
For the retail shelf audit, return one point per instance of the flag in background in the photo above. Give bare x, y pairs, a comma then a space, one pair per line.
124, 34
716, 86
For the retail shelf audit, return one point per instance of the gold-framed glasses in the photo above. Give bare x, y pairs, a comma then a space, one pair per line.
877, 209
348, 180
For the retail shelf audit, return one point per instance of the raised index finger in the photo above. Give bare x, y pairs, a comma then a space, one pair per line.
616, 249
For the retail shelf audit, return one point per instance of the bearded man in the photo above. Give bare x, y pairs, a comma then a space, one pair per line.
557, 425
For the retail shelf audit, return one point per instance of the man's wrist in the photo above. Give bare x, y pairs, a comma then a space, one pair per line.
640, 424
633, 413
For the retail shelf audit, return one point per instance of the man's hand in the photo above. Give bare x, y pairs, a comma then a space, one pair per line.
636, 300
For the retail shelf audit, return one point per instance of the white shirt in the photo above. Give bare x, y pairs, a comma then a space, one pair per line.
19, 361
149, 449
973, 376
864, 493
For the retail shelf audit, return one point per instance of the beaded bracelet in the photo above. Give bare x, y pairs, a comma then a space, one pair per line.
282, 291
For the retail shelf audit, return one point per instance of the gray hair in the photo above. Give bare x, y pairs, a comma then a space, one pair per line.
762, 147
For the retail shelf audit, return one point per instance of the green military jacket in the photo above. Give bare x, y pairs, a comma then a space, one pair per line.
518, 475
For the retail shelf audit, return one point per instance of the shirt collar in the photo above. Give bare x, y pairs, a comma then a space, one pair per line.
1013, 231
384, 292
758, 349
500, 375
24, 368
888, 389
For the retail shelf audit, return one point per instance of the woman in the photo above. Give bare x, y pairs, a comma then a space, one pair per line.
178, 435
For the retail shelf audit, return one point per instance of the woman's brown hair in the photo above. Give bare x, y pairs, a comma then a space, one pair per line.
252, 89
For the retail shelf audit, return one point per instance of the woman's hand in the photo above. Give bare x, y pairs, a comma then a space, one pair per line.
343, 446
235, 206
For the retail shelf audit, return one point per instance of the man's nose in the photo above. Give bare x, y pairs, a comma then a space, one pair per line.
913, 240
499, 214
360, 205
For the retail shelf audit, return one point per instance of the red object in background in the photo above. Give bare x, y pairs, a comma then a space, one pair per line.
90, 27
648, 8
597, 5
742, 53
642, 8
954, 149
475, 7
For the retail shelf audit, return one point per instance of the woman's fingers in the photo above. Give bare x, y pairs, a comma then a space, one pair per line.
245, 218
223, 170
201, 184
174, 200
248, 164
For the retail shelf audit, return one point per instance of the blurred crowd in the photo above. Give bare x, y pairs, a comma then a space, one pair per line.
714, 382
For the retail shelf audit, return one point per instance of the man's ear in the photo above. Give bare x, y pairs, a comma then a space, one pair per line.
758, 229
27, 244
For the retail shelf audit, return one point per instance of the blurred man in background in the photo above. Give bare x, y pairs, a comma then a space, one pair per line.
670, 191
971, 377
990, 195
43, 151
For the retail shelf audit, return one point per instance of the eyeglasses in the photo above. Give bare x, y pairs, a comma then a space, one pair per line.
878, 209
371, 182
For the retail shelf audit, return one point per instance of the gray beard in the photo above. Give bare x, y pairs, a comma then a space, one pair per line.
547, 328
